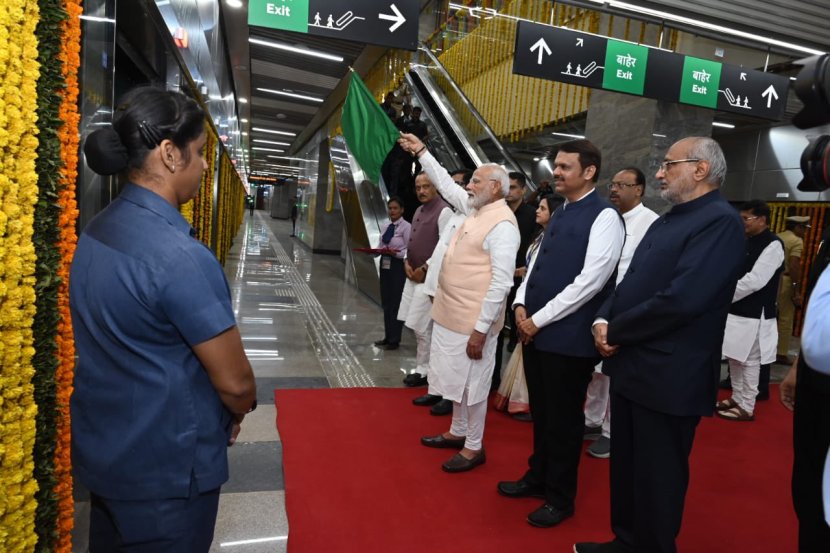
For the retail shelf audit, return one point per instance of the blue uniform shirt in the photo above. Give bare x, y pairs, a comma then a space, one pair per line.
143, 291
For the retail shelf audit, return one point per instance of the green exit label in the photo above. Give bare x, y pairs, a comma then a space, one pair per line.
699, 85
288, 15
625, 67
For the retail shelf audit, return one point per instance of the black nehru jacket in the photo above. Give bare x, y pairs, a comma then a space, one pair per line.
764, 300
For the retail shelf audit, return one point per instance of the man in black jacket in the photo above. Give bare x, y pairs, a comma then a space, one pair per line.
661, 333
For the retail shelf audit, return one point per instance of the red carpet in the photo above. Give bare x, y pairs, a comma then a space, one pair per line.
358, 480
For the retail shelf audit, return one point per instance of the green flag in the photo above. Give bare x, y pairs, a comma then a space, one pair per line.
368, 131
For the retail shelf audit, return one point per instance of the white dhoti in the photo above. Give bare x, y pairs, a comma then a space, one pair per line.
451, 372
415, 313
748, 343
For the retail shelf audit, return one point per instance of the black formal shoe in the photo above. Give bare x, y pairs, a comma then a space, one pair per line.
381, 343
390, 347
523, 417
594, 547
441, 442
443, 407
725, 384
414, 379
520, 488
762, 396
426, 400
547, 515
459, 463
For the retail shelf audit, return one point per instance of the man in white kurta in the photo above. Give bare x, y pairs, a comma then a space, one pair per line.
751, 335
415, 306
625, 191
468, 309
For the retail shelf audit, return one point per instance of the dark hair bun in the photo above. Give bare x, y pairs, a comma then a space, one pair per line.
105, 153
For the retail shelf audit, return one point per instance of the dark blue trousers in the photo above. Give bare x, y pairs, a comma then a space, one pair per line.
391, 289
649, 474
183, 525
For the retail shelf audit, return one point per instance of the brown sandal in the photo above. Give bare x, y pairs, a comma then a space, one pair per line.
725, 404
736, 414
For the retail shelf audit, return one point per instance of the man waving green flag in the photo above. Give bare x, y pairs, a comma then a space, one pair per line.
368, 131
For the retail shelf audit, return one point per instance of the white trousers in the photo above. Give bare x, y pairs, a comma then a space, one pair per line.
468, 421
423, 340
745, 375
597, 404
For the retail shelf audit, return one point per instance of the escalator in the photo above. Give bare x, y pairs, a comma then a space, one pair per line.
458, 138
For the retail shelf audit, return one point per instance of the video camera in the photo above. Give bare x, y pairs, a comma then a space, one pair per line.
812, 86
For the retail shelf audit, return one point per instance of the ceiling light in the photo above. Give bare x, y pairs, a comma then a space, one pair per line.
272, 131
658, 135
566, 135
244, 133
243, 120
260, 148
535, 159
243, 101
295, 50
97, 19
724, 125
291, 94
262, 141
304, 160
667, 16
234, 3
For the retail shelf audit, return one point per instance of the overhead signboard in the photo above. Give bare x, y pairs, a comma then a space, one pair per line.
581, 58
391, 24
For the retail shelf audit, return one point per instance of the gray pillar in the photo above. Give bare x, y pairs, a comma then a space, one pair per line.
632, 131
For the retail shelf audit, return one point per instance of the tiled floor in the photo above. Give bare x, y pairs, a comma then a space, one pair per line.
302, 326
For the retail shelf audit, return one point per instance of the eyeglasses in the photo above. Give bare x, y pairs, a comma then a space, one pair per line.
620, 185
748, 219
476, 180
665, 165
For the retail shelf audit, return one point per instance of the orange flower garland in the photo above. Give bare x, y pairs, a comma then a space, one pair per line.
71, 60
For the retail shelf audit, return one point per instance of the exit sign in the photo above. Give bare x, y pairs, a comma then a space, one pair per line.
288, 15
585, 59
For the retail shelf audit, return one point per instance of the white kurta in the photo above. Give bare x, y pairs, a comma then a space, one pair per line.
742, 332
415, 306
450, 370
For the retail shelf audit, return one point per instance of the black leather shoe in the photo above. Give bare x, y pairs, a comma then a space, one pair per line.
443, 407
725, 384
547, 515
459, 463
441, 442
426, 400
762, 396
380, 343
390, 347
413, 380
520, 488
523, 417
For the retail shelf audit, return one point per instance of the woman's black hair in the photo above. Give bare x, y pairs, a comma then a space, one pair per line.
395, 199
145, 117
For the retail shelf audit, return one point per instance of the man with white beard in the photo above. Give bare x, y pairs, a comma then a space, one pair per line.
468, 310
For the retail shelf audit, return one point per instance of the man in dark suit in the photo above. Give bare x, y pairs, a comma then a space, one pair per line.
661, 334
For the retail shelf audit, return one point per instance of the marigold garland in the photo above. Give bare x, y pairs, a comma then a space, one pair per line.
70, 57
230, 206
19, 71
46, 236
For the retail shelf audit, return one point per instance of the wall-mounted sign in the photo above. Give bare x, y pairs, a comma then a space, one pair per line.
393, 24
575, 57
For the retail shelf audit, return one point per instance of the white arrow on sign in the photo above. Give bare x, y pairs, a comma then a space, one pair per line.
769, 94
743, 76
397, 17
543, 48
579, 42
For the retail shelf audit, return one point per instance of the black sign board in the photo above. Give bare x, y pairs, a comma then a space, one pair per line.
383, 22
752, 92
579, 58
